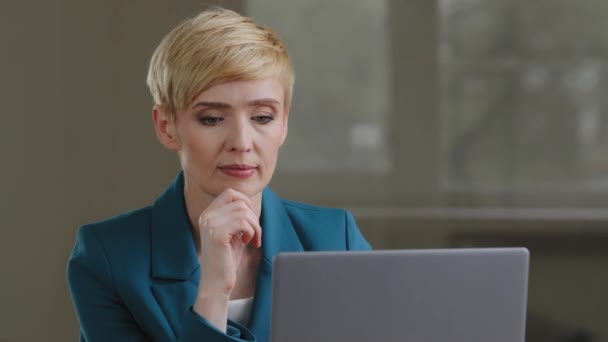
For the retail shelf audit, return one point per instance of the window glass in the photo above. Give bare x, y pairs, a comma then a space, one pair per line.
523, 94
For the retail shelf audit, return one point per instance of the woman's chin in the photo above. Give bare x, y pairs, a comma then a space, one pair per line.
247, 187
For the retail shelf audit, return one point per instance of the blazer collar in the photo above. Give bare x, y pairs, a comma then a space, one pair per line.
278, 233
173, 249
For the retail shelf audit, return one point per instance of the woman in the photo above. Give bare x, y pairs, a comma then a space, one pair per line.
197, 264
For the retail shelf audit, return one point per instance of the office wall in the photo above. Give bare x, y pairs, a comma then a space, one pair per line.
77, 141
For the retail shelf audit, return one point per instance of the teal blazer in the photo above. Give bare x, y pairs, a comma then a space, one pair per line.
135, 277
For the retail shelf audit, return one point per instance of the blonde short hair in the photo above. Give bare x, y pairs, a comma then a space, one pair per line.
216, 46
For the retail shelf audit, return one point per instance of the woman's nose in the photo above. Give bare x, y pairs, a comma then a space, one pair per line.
239, 137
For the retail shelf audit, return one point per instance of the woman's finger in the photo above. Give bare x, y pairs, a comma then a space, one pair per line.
225, 226
219, 217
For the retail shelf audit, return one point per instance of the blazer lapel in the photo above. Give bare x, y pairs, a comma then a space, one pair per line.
174, 265
278, 235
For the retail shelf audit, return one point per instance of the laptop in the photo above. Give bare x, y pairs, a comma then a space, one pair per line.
433, 295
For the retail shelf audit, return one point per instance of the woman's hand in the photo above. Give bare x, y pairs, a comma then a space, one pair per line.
226, 227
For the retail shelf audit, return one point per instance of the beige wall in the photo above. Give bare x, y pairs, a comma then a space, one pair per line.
77, 141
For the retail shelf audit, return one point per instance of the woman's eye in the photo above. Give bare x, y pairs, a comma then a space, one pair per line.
263, 119
209, 120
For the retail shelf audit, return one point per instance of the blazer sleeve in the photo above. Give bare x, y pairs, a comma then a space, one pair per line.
354, 239
103, 315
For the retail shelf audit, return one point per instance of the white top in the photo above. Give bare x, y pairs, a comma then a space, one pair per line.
239, 310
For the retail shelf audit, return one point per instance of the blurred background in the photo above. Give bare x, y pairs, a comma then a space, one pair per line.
438, 123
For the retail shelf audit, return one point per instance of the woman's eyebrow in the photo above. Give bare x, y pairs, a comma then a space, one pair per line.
215, 104
265, 101
211, 104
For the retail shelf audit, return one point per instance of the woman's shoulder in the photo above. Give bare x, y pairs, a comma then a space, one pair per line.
325, 228
119, 243
294, 206
132, 223
315, 215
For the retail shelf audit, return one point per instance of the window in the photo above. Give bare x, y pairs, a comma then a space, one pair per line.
447, 103
523, 95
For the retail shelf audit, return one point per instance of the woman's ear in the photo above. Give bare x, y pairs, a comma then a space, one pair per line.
285, 127
166, 131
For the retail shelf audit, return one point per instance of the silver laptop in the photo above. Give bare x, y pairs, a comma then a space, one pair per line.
435, 295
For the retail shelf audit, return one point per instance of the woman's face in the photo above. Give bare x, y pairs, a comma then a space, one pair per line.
229, 137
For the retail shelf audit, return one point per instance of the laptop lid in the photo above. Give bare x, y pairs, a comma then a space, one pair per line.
435, 295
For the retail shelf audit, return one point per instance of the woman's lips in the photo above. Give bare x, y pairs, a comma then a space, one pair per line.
238, 171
